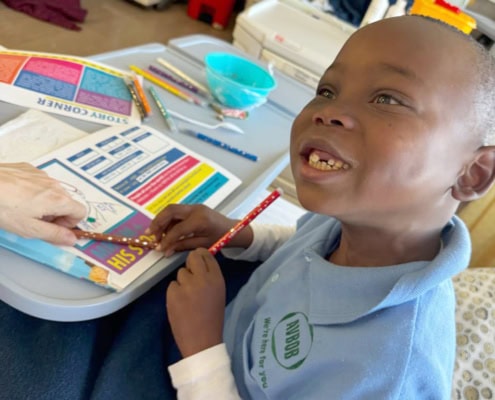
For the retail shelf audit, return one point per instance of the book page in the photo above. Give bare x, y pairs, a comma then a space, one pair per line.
33, 134
67, 85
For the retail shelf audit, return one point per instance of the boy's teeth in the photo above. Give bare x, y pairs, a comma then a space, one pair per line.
329, 165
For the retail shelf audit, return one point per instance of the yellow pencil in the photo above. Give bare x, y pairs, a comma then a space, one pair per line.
161, 83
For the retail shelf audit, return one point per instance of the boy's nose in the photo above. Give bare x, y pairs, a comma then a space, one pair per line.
334, 118
320, 120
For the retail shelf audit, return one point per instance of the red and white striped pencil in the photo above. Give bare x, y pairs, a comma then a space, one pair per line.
220, 243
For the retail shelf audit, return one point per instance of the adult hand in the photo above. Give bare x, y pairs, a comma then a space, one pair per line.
180, 227
33, 205
196, 304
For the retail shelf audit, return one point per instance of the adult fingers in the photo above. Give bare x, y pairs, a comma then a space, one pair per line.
50, 232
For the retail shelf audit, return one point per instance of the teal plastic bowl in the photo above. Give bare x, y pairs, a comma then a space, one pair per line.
237, 82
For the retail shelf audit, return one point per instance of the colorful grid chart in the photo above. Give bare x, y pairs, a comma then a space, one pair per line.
64, 85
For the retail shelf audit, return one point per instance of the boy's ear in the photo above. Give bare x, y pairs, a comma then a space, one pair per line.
477, 177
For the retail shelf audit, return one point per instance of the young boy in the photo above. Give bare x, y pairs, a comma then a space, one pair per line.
358, 303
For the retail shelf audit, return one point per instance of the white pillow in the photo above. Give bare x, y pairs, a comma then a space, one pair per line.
474, 372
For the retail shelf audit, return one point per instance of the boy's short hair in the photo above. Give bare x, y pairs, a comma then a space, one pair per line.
485, 100
482, 111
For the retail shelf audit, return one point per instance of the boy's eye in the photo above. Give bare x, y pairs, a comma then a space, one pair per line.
325, 92
385, 99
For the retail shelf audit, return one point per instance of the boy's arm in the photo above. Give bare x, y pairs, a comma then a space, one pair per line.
205, 371
266, 239
195, 309
205, 375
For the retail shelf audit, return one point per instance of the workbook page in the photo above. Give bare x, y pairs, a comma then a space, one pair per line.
125, 176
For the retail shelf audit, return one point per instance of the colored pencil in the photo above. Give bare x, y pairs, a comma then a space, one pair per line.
227, 237
220, 144
180, 82
141, 95
136, 100
184, 76
163, 110
164, 85
103, 237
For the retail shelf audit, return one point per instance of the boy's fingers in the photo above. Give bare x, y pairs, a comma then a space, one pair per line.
195, 262
172, 212
202, 262
183, 275
178, 232
171, 292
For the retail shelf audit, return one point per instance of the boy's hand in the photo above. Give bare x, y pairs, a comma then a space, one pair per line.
196, 304
180, 227
33, 205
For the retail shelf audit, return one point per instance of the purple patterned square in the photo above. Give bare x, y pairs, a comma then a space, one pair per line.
103, 102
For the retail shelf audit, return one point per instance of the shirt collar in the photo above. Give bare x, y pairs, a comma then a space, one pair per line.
344, 294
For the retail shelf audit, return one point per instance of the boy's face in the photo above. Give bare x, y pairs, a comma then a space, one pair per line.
392, 116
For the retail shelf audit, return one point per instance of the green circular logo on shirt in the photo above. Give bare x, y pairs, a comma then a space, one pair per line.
291, 340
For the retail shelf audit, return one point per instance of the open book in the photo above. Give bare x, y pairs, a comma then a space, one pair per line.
124, 176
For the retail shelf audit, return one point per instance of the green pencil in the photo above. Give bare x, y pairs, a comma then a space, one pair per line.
163, 110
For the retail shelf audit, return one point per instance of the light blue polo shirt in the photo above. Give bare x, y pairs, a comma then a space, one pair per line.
304, 328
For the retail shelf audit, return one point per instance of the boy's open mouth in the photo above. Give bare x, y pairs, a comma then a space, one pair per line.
325, 162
